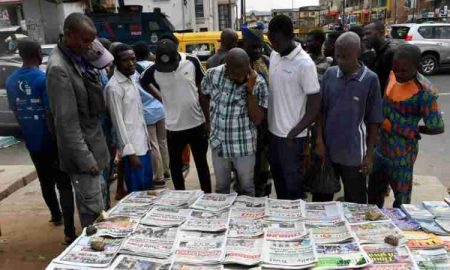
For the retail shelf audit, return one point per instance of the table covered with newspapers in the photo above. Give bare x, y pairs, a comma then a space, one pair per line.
192, 230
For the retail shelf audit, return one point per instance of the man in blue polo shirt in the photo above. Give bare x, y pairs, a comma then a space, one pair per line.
351, 112
27, 97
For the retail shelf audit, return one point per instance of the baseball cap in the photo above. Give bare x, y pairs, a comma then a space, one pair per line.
97, 55
166, 55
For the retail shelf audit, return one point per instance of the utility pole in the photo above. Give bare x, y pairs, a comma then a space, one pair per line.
229, 14
242, 12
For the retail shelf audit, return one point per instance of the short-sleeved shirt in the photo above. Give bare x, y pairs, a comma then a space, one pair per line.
27, 96
232, 132
179, 93
292, 78
348, 106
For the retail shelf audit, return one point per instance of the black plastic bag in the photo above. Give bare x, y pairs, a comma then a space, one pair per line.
320, 178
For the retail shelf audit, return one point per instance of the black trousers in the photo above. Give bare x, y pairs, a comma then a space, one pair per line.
46, 164
197, 139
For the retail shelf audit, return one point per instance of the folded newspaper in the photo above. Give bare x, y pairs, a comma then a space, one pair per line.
127, 262
80, 253
341, 256
245, 227
328, 234
325, 213
444, 224
387, 257
247, 201
178, 198
117, 227
247, 212
422, 240
150, 241
432, 259
214, 202
146, 197
400, 219
180, 266
200, 248
432, 226
356, 213
285, 231
243, 251
284, 210
207, 221
289, 255
375, 232
165, 216
133, 210
438, 208
417, 212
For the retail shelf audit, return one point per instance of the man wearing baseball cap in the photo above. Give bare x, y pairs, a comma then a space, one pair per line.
178, 78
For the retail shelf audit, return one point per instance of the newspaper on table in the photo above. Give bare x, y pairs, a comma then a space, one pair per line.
400, 219
150, 241
116, 227
325, 213
357, 213
165, 216
446, 241
214, 202
387, 257
285, 231
417, 212
438, 208
146, 197
375, 232
80, 253
247, 212
432, 259
284, 210
247, 201
245, 227
200, 248
180, 266
422, 240
444, 224
341, 256
57, 266
240, 267
243, 251
129, 262
289, 255
431, 226
178, 198
133, 210
207, 221
328, 234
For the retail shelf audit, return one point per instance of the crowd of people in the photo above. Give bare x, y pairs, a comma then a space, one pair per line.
351, 99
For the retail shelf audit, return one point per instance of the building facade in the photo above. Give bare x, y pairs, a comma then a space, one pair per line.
294, 14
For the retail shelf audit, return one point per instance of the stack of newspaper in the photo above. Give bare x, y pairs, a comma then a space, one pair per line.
214, 202
166, 216
178, 198
284, 210
116, 227
200, 248
400, 219
204, 221
439, 209
150, 241
417, 212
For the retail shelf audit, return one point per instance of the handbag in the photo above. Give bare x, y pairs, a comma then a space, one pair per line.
320, 178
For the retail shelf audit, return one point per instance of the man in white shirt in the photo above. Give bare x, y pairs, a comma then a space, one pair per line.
175, 79
125, 106
294, 103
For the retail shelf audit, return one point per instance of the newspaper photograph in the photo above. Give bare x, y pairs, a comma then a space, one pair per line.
247, 212
247, 201
357, 213
214, 202
245, 227
387, 257
243, 251
165, 216
338, 233
284, 210
326, 213
285, 231
200, 248
133, 210
116, 227
207, 221
400, 219
288, 255
150, 241
80, 253
128, 262
178, 198
375, 232
145, 197
341, 256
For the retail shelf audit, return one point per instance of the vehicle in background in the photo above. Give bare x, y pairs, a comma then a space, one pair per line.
433, 39
205, 44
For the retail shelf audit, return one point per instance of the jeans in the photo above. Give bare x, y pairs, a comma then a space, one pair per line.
46, 164
286, 164
197, 139
244, 167
88, 192
138, 179
160, 153
355, 184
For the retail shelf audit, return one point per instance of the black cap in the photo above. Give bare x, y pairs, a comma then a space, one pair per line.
167, 57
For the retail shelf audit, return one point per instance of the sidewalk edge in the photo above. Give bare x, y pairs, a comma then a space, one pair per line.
18, 184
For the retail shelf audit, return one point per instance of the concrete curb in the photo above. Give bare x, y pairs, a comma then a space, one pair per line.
18, 184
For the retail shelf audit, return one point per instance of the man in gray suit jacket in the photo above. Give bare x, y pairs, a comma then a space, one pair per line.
76, 100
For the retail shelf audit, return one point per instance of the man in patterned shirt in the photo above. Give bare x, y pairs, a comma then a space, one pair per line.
238, 97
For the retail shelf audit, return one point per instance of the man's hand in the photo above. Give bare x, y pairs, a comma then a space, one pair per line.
94, 171
207, 129
251, 79
367, 164
135, 162
292, 134
321, 151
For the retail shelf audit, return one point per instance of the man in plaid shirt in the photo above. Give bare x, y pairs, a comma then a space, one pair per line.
238, 97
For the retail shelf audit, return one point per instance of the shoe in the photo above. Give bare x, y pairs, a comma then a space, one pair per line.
69, 239
56, 221
159, 183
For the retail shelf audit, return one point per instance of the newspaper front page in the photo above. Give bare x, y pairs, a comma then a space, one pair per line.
245, 227
387, 257
375, 232
247, 212
145, 197
178, 198
243, 251
338, 233
133, 210
165, 216
285, 231
200, 248
284, 210
247, 201
324, 213
207, 221
214, 202
128, 262
357, 213
341, 256
116, 227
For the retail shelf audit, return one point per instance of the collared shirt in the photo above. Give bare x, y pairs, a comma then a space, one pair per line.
348, 105
232, 132
125, 106
292, 78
